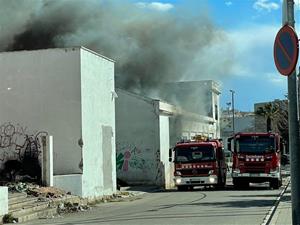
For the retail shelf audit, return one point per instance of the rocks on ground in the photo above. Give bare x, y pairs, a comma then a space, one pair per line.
64, 201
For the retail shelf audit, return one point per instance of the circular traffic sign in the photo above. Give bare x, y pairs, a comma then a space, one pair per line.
286, 50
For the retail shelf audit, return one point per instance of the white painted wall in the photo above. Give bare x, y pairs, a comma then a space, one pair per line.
137, 135
145, 130
166, 173
40, 91
3, 201
198, 106
98, 125
186, 125
67, 93
70, 183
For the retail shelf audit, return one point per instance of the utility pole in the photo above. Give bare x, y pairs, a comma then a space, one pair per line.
232, 100
288, 18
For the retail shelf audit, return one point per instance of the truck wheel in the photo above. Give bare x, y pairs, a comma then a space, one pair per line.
275, 184
240, 184
182, 188
236, 183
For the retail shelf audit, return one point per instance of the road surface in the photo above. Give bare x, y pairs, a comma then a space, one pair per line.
201, 206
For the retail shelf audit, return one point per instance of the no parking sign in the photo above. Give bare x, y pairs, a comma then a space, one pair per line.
286, 50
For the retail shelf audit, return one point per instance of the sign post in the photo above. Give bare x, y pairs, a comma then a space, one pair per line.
286, 56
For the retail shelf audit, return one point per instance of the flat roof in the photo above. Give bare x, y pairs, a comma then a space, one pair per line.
65, 48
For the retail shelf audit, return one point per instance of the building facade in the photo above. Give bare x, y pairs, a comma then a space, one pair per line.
67, 94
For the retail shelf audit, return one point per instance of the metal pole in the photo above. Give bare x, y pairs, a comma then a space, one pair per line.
288, 18
232, 100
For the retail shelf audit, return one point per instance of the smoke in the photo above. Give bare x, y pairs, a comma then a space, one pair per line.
149, 46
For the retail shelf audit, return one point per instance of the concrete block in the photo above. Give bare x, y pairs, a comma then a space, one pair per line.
3, 201
69, 183
47, 162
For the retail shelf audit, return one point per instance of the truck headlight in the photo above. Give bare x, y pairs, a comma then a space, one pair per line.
211, 179
178, 181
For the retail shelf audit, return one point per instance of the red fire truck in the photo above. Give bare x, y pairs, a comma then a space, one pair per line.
199, 163
256, 158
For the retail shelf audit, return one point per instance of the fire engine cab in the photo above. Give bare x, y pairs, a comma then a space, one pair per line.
199, 163
256, 158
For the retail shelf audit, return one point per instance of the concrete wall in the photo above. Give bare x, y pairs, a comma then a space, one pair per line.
199, 103
70, 183
137, 138
166, 169
40, 94
69, 94
98, 125
185, 125
3, 201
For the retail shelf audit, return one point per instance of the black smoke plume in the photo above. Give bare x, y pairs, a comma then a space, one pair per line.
149, 46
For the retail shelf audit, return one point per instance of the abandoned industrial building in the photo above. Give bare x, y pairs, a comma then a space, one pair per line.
62, 113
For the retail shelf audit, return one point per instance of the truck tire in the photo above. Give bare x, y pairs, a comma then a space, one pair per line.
275, 184
182, 188
238, 184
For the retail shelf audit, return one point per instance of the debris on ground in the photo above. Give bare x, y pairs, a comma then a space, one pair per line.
20, 186
8, 218
69, 207
46, 192
36, 190
64, 201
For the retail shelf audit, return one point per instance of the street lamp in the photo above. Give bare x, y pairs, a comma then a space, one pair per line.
228, 107
232, 103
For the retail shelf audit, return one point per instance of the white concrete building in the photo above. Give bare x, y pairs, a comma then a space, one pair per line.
69, 94
186, 125
200, 101
142, 140
145, 131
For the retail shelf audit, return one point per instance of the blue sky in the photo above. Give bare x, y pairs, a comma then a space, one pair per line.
251, 25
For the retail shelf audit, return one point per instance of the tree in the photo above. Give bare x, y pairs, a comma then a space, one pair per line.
276, 113
270, 112
283, 123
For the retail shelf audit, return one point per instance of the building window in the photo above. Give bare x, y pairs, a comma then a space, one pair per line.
216, 112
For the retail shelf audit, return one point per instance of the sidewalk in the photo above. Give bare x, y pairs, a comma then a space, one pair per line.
283, 212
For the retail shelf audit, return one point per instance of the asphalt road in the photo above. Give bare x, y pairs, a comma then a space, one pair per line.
201, 206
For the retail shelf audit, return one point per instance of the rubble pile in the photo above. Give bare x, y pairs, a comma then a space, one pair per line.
36, 190
68, 207
64, 201
118, 197
46, 192
20, 187
123, 194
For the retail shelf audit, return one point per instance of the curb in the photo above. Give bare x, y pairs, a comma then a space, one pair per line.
271, 213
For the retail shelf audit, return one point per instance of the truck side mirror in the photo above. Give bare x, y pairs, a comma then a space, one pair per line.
170, 154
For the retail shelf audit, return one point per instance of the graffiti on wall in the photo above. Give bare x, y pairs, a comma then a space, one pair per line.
18, 142
130, 156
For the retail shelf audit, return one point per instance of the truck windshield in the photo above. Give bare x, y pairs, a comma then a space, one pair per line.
255, 144
194, 154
